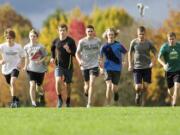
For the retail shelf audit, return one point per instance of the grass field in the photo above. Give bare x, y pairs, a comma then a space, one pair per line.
93, 121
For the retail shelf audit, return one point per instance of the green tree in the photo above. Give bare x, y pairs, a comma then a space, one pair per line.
110, 17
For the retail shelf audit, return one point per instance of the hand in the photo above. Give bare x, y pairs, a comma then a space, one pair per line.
101, 70
52, 60
151, 64
66, 47
2, 62
24, 68
19, 66
80, 62
130, 68
165, 67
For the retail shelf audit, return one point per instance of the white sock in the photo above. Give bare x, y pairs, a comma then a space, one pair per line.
34, 103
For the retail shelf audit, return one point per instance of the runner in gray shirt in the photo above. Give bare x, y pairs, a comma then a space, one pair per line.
87, 55
35, 67
141, 68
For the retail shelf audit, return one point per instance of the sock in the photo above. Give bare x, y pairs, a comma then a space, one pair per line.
14, 98
59, 97
68, 100
33, 103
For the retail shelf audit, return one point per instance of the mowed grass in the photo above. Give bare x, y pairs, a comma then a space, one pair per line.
92, 121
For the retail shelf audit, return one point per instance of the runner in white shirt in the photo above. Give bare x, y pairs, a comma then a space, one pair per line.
36, 68
12, 57
87, 54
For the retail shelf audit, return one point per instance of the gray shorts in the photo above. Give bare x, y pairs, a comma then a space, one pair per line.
67, 73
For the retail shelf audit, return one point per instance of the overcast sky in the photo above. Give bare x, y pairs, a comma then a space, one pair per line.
38, 10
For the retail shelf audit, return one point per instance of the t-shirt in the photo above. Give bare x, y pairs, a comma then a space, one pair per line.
142, 59
12, 56
171, 55
113, 56
35, 53
63, 58
89, 51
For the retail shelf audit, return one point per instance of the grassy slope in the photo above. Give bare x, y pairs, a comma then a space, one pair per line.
93, 121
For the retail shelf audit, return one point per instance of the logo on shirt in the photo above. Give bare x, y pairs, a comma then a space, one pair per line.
36, 55
173, 54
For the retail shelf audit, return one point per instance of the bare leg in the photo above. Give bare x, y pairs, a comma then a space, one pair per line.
176, 89
108, 91
90, 92
86, 87
32, 93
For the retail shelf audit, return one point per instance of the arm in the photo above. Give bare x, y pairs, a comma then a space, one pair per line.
160, 60
130, 68
100, 59
53, 52
154, 51
26, 63
78, 55
2, 61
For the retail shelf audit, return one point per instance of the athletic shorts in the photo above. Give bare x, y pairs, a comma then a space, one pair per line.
87, 72
14, 73
67, 73
37, 77
172, 77
114, 76
142, 75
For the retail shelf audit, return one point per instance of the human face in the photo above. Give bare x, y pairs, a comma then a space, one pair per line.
110, 36
33, 37
171, 40
141, 35
89, 32
10, 40
62, 32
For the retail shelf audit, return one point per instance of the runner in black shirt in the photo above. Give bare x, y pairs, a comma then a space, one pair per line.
63, 49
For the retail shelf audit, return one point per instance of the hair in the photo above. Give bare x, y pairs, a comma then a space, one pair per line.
171, 34
90, 26
63, 26
33, 31
9, 33
116, 32
141, 29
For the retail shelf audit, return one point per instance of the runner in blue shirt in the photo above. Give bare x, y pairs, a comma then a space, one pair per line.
112, 52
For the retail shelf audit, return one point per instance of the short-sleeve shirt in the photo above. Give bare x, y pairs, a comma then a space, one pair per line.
142, 59
63, 58
89, 51
171, 55
113, 56
12, 56
35, 53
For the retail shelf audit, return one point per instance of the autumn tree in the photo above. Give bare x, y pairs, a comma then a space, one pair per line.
10, 18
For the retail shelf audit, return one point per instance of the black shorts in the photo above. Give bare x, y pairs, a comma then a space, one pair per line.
87, 72
37, 77
114, 76
172, 77
14, 73
142, 75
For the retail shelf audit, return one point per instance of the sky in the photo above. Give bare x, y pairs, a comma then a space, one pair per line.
38, 10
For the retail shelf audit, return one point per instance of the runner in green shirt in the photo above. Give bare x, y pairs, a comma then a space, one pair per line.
169, 58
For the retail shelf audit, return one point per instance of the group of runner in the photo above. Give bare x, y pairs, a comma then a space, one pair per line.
94, 58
